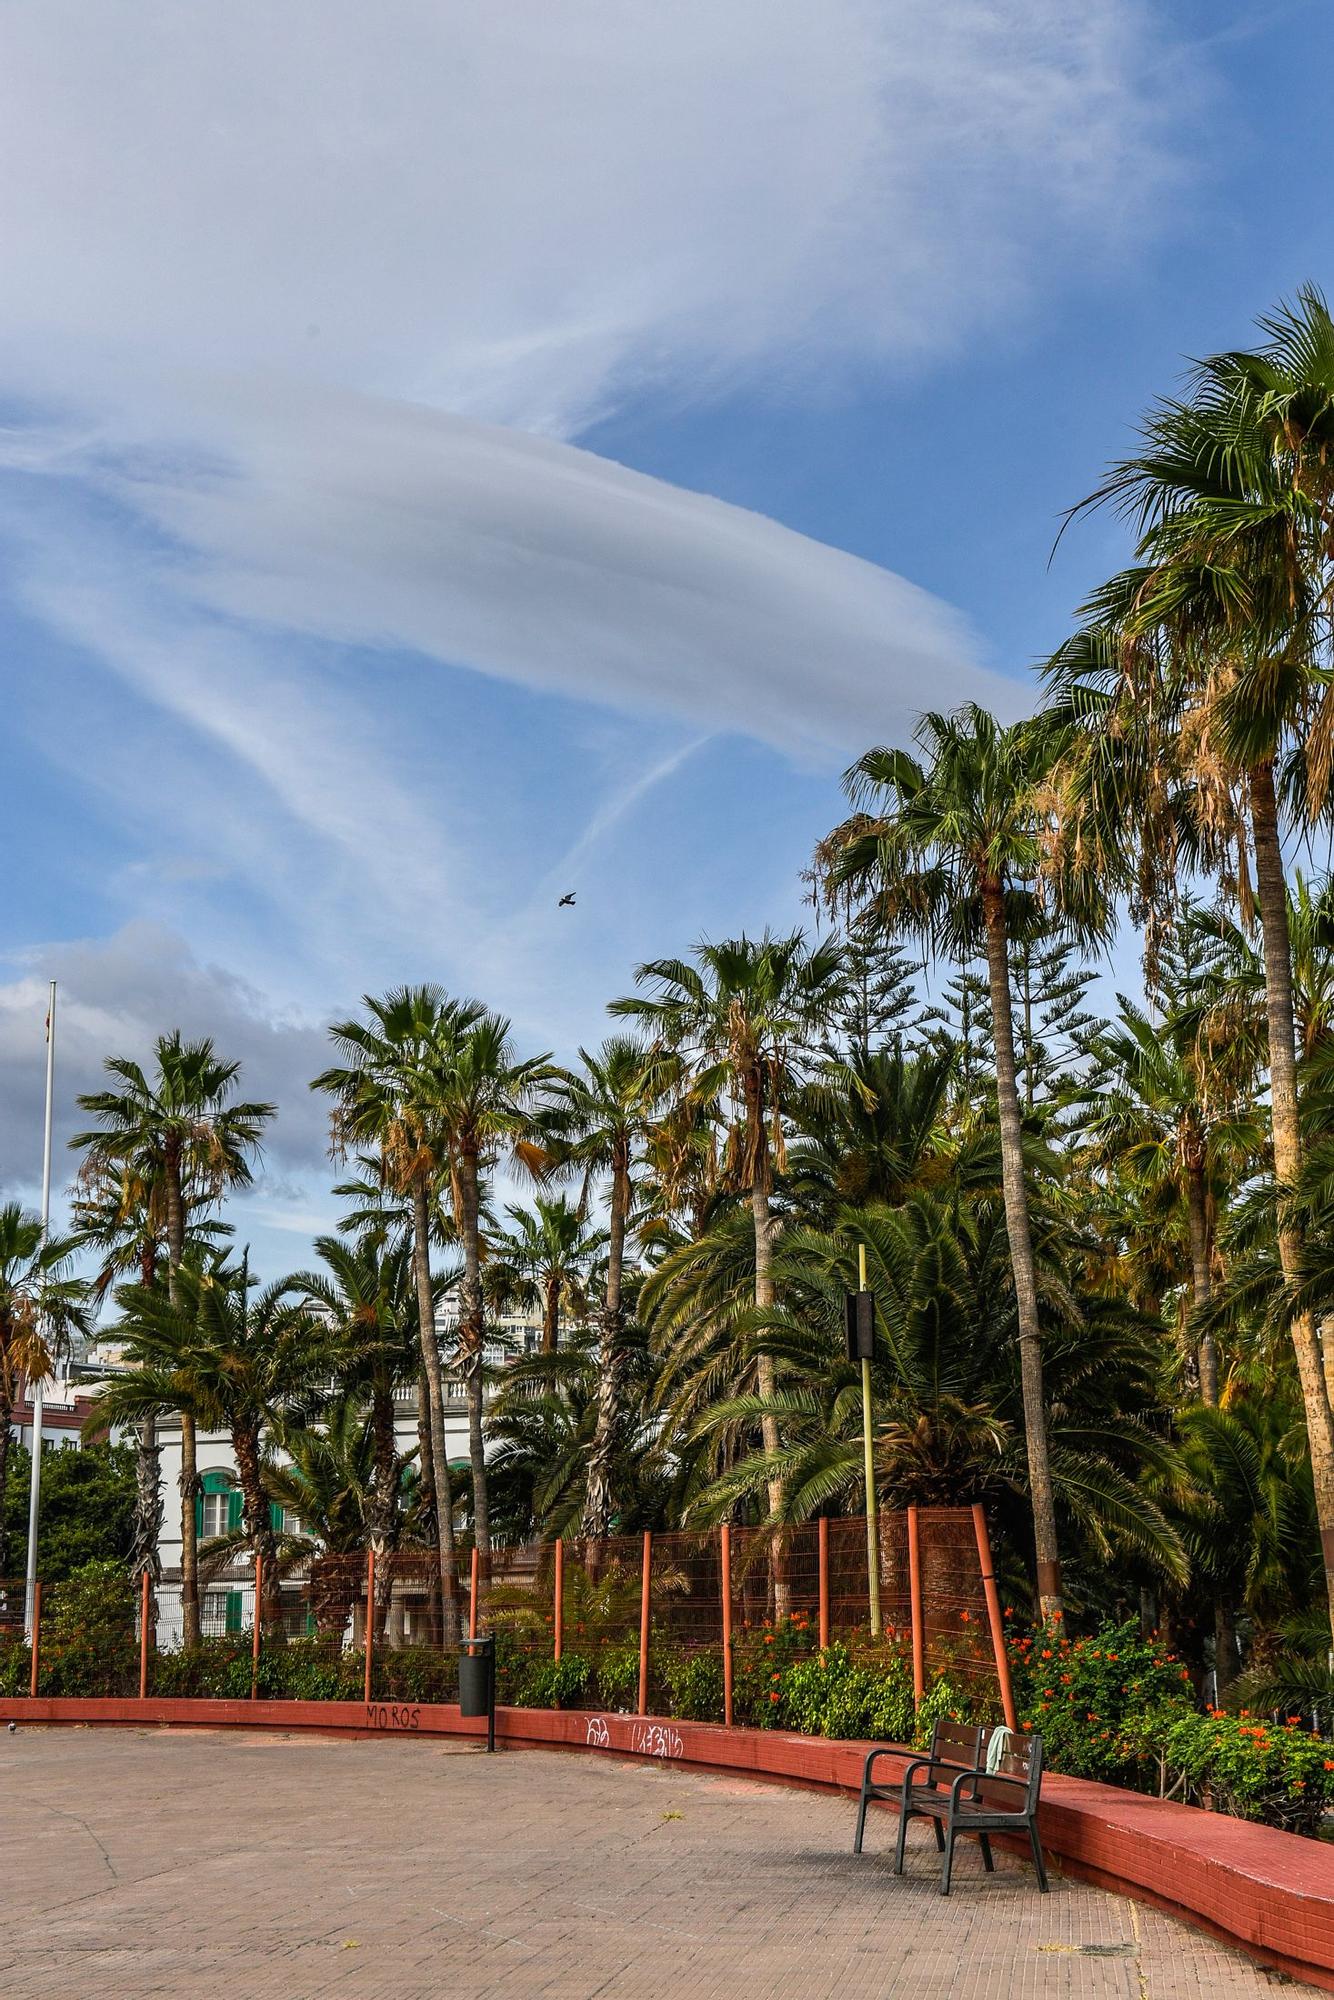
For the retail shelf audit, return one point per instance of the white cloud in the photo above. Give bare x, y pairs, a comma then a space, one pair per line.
516, 210
114, 997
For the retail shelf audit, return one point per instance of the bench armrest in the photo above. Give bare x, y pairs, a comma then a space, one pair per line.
885, 1750
983, 1776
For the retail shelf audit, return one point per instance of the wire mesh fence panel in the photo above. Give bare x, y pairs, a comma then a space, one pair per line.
956, 1630
88, 1637
14, 1657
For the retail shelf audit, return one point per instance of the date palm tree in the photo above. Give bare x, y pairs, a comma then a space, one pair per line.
387, 1100
604, 1113
945, 848
42, 1303
169, 1143
744, 1024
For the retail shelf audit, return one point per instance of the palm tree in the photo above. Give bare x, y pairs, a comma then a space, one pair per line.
365, 1298
235, 1364
388, 1099
487, 1101
946, 849
42, 1303
1205, 696
546, 1258
605, 1112
744, 1023
168, 1146
326, 1480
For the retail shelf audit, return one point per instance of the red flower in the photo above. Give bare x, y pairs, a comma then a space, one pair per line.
773, 1697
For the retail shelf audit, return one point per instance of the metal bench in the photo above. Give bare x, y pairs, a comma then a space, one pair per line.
966, 1800
955, 1747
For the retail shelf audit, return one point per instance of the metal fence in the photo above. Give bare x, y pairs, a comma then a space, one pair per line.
682, 1623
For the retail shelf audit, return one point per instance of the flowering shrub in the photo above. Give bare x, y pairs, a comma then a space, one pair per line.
1100, 1703
1277, 1773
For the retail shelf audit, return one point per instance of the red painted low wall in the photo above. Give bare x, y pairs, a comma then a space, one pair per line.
1268, 1892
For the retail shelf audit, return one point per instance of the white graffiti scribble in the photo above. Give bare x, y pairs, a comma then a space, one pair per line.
598, 1732
656, 1739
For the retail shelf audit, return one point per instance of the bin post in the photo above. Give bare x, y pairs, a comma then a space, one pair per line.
36, 1637
472, 1591
477, 1682
915, 1605
644, 1588
145, 1592
726, 1567
558, 1603
824, 1583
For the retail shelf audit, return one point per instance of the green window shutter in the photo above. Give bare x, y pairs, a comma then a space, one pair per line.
199, 1516
233, 1611
276, 1516
233, 1510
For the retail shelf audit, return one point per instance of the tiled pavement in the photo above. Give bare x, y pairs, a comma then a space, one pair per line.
239, 1867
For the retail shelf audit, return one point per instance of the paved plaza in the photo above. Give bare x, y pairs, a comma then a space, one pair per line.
230, 1867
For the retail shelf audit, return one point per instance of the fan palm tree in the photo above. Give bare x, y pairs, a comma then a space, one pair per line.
387, 1100
1205, 694
488, 1102
326, 1479
365, 1298
235, 1364
744, 1024
946, 848
604, 1112
42, 1303
167, 1146
546, 1259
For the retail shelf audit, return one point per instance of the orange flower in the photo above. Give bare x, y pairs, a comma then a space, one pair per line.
773, 1696
768, 1638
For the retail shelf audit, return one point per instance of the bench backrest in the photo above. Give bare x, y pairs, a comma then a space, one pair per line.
956, 1743
1022, 1760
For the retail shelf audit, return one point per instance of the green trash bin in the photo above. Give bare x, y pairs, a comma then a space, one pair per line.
477, 1683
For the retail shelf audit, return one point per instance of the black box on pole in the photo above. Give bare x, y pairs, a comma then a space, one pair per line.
859, 1323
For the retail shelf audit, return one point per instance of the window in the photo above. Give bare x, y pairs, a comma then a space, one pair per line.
216, 1508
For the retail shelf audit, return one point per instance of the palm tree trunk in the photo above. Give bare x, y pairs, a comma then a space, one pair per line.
256, 1517
551, 1314
1021, 1257
597, 1495
430, 1352
1201, 1284
148, 1465
1272, 902
192, 1631
383, 1508
472, 1341
766, 1380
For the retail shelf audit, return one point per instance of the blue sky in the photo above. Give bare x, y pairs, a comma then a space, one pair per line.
380, 395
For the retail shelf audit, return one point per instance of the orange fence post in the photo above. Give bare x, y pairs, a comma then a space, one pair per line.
36, 1636
727, 1622
824, 1582
370, 1618
994, 1618
643, 1621
144, 1593
915, 1607
558, 1603
254, 1637
472, 1592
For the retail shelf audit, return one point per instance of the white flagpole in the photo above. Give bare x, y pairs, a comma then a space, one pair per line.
35, 1482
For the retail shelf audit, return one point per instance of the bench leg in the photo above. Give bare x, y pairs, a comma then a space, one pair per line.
904, 1816
940, 1836
1036, 1846
861, 1825
947, 1862
984, 1842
